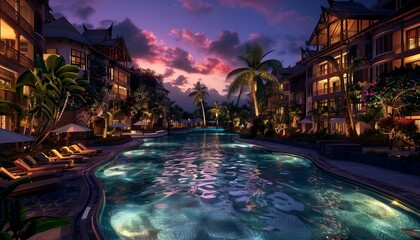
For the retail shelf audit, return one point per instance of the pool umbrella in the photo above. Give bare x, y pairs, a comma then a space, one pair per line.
12, 137
337, 120
305, 121
118, 125
140, 123
69, 128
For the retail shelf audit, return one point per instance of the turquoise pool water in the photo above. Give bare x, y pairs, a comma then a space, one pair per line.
202, 185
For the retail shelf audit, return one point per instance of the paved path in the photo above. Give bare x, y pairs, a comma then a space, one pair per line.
400, 185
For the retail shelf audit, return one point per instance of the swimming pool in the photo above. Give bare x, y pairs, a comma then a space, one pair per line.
202, 185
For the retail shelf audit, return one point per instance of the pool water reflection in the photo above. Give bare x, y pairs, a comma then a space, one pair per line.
201, 185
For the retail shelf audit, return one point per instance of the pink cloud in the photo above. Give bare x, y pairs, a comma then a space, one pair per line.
199, 6
197, 39
270, 9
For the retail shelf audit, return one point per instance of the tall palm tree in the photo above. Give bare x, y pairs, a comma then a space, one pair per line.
253, 75
200, 94
217, 111
351, 89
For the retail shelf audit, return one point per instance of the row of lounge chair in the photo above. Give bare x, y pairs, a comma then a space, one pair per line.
42, 169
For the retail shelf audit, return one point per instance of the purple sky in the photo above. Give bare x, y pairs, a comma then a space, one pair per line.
197, 40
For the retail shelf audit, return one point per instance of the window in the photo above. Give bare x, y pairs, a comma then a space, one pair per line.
413, 38
383, 68
323, 69
78, 58
383, 44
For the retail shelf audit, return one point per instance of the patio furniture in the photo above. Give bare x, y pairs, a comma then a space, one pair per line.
67, 150
77, 149
40, 159
76, 158
7, 175
82, 146
26, 168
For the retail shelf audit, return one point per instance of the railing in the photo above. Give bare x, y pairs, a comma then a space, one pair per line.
7, 95
333, 89
15, 55
10, 11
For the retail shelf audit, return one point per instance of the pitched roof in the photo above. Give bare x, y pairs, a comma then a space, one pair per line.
62, 28
97, 36
351, 9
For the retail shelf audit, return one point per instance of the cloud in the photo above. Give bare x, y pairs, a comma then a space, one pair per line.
197, 39
226, 44
168, 72
271, 9
141, 43
292, 44
84, 12
181, 80
176, 94
198, 6
229, 47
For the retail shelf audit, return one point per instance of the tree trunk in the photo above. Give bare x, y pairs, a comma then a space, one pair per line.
254, 96
204, 114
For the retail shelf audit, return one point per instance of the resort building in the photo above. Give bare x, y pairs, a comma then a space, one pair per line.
291, 90
113, 54
20, 39
384, 36
102, 60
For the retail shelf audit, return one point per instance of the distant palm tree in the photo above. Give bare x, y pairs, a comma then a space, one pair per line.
252, 76
217, 111
200, 94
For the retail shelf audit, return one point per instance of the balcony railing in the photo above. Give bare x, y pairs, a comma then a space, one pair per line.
7, 95
15, 55
10, 11
333, 89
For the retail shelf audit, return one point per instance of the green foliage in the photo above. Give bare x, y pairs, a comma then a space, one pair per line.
253, 76
371, 137
200, 94
53, 86
398, 90
14, 223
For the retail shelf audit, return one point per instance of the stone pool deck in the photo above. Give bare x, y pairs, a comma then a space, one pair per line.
77, 194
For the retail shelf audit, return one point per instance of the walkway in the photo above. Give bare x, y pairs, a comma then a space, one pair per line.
73, 196
400, 185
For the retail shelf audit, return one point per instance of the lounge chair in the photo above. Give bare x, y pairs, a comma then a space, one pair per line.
77, 149
30, 187
26, 168
40, 159
83, 147
67, 150
76, 158
38, 175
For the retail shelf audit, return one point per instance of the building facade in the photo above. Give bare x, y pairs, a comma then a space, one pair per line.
20, 40
380, 38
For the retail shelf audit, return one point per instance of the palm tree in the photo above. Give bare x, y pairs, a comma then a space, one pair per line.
216, 110
317, 112
200, 94
253, 76
351, 89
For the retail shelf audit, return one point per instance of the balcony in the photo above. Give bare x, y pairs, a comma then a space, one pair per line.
39, 40
15, 55
7, 95
10, 11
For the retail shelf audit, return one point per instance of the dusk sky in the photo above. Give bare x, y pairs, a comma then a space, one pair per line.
196, 40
